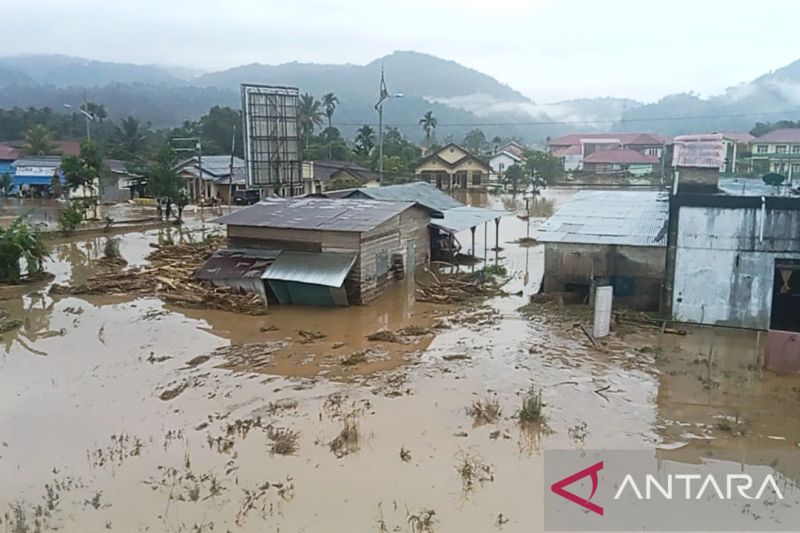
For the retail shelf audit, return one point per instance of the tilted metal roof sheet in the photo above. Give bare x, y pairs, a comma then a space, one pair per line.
326, 214
238, 263
465, 217
628, 218
328, 269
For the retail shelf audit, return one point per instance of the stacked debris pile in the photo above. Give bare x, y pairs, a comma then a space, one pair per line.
169, 277
455, 288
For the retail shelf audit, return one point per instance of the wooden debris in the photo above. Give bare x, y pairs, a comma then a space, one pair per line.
169, 277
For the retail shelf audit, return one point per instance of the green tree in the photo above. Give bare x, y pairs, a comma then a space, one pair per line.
129, 138
163, 181
20, 242
428, 123
216, 131
5, 184
181, 201
475, 142
98, 111
82, 173
329, 102
309, 115
513, 176
39, 141
365, 140
543, 166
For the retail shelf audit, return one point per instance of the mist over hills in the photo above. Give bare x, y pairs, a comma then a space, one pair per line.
460, 97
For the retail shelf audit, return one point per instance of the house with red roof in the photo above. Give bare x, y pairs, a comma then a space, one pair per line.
574, 148
777, 151
620, 162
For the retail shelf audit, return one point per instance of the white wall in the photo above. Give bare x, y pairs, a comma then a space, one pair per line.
724, 273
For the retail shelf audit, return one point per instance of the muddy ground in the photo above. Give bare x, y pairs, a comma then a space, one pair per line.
127, 414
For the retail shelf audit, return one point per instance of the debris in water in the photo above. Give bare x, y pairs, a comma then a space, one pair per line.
349, 439
196, 361
486, 411
308, 337
171, 394
7, 322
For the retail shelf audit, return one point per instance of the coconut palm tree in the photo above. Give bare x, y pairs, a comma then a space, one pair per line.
309, 115
329, 102
428, 123
365, 140
130, 137
39, 141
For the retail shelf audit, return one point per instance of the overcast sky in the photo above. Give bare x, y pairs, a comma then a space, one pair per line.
549, 50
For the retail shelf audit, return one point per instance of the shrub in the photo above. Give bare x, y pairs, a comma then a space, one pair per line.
20, 242
532, 410
70, 218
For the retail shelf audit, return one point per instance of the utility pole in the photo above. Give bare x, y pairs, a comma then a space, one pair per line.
382, 98
230, 176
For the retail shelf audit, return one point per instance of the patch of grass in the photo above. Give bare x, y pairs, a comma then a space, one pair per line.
349, 438
578, 432
473, 470
414, 331
486, 411
495, 270
532, 410
284, 441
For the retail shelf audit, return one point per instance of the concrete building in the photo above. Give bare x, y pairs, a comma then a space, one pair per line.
321, 176
35, 175
737, 151
613, 238
332, 251
734, 256
777, 151
620, 163
504, 157
451, 167
213, 182
573, 148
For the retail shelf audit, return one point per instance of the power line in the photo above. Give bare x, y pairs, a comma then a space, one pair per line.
588, 122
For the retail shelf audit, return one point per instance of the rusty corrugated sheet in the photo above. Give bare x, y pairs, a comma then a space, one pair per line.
782, 351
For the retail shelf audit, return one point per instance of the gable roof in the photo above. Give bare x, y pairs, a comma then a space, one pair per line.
419, 192
44, 161
785, 135
506, 153
325, 170
628, 218
9, 153
316, 214
512, 148
456, 163
739, 137
620, 157
574, 149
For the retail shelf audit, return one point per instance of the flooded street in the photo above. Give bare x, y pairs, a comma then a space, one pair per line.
128, 414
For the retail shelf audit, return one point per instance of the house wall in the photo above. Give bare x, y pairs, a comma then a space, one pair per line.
500, 164
639, 269
371, 274
392, 237
724, 272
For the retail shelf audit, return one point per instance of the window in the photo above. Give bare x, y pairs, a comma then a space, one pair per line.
796, 148
476, 178
502, 166
795, 167
780, 149
761, 149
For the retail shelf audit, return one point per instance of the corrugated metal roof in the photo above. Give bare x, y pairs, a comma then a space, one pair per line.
420, 192
47, 161
234, 264
752, 187
316, 213
465, 217
629, 218
328, 269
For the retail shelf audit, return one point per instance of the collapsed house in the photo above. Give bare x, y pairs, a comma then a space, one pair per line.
320, 251
615, 238
448, 215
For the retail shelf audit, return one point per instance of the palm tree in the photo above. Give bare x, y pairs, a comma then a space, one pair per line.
130, 137
428, 123
309, 115
38, 141
329, 102
365, 139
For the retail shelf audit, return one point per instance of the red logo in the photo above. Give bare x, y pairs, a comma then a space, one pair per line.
558, 487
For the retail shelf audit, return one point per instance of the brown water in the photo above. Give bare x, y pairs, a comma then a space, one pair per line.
81, 408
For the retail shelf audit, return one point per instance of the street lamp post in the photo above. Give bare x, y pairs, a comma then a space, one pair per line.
89, 118
384, 96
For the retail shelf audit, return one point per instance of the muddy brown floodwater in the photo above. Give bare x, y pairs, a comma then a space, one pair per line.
126, 414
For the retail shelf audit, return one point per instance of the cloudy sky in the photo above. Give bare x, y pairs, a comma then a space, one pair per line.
550, 50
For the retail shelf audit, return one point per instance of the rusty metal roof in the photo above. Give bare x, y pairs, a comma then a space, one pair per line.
627, 218
325, 214
235, 264
328, 269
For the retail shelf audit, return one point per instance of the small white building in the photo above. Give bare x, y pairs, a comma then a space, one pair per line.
505, 156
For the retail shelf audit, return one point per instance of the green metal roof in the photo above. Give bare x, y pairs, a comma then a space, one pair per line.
328, 269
